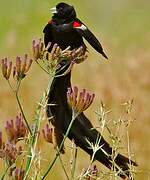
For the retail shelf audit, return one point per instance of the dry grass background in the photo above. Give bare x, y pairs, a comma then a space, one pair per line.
123, 27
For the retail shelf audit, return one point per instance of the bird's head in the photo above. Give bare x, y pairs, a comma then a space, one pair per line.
64, 11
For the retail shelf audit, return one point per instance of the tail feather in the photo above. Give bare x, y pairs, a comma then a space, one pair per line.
120, 159
124, 162
82, 128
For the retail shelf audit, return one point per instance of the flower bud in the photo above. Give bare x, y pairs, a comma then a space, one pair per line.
22, 67
18, 174
47, 133
37, 49
15, 130
79, 101
11, 153
6, 67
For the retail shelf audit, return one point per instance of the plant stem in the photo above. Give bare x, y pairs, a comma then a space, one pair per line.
34, 137
22, 112
42, 67
3, 176
16, 90
61, 145
63, 167
74, 164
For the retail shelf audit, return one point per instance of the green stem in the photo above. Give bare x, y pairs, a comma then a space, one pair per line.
11, 87
22, 112
3, 176
74, 165
16, 90
61, 145
63, 168
34, 137
42, 67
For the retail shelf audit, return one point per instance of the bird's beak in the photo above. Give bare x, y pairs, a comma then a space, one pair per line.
53, 10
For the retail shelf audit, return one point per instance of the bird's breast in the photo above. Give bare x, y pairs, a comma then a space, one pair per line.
65, 36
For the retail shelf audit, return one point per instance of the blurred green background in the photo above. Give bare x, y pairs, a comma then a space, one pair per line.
123, 26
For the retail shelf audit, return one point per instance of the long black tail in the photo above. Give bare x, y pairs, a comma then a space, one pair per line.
82, 129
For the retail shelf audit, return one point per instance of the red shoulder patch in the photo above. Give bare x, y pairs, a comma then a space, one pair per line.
76, 24
50, 21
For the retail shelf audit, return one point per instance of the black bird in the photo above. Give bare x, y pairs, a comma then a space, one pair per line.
66, 29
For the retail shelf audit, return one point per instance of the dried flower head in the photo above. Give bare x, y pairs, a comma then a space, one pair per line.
11, 152
70, 57
15, 130
79, 101
92, 173
37, 49
78, 55
47, 60
6, 67
22, 67
50, 58
94, 170
47, 133
53, 58
18, 174
55, 53
54, 136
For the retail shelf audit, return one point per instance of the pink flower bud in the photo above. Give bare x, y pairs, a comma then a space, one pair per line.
15, 130
6, 67
79, 101
18, 174
47, 133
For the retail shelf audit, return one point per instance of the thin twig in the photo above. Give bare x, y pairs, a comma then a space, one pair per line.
62, 164
74, 164
61, 145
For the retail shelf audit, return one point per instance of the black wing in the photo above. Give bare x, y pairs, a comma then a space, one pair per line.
89, 36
